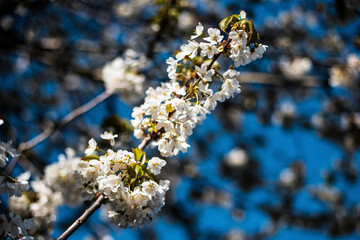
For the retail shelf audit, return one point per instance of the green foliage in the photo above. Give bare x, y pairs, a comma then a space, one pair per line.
90, 157
137, 153
225, 23
236, 22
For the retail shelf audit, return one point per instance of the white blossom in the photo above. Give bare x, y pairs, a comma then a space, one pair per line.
171, 69
40, 204
155, 164
207, 49
109, 136
237, 157
204, 73
198, 31
190, 49
296, 67
91, 148
214, 36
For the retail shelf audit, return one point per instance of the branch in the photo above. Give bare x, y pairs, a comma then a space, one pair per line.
50, 130
83, 218
64, 121
279, 80
145, 142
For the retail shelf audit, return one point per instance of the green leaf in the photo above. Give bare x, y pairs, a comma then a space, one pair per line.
132, 180
90, 157
251, 31
138, 153
135, 172
224, 24
138, 171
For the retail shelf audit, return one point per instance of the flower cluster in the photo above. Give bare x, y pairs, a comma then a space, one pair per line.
128, 181
241, 53
171, 111
59, 185
39, 204
62, 177
123, 75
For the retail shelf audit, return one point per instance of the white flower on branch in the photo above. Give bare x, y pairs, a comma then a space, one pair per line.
204, 73
155, 164
214, 36
40, 204
171, 69
208, 50
198, 31
91, 148
125, 181
172, 110
238, 38
190, 49
109, 136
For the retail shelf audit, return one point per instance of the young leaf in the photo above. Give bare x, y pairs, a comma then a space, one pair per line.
138, 171
251, 31
138, 153
90, 157
224, 24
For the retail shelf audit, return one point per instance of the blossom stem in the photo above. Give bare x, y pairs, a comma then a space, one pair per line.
83, 218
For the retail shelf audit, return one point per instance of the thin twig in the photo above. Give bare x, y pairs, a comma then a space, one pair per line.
83, 218
53, 128
64, 121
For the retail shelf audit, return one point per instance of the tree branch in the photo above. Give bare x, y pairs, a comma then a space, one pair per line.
64, 121
50, 130
83, 218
